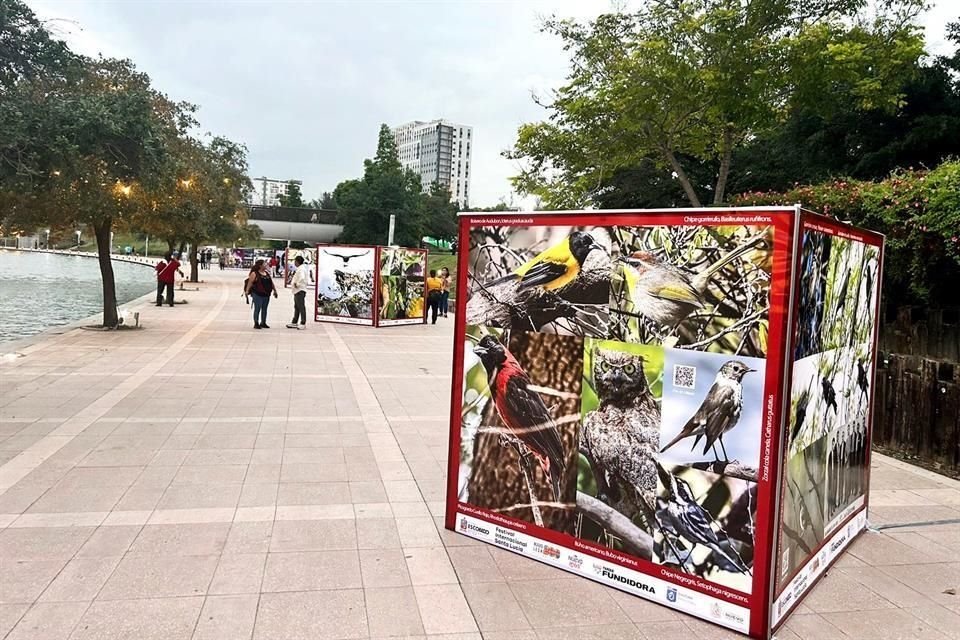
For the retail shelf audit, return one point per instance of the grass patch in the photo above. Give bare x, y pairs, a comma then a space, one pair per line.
439, 261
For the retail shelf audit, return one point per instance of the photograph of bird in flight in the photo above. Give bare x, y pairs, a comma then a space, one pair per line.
519, 421
693, 287
550, 278
345, 282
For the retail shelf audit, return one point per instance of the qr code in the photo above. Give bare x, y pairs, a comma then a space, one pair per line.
684, 376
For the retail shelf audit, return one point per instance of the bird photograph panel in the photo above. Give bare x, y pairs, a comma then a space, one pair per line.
705, 525
519, 424
400, 298
829, 403
802, 521
540, 278
403, 262
695, 287
619, 439
345, 281
837, 293
712, 412
309, 256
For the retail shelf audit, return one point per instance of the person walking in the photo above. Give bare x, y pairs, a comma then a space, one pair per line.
259, 284
223, 259
168, 276
202, 255
300, 283
434, 287
159, 269
445, 292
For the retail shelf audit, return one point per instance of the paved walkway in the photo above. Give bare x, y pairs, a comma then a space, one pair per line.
198, 479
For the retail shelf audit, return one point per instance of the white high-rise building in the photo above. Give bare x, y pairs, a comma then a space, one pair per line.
439, 151
266, 192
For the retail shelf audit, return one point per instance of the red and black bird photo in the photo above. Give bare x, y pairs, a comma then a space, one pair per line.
522, 410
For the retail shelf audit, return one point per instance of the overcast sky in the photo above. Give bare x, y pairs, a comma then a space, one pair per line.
306, 85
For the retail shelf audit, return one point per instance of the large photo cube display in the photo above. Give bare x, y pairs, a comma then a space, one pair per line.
647, 399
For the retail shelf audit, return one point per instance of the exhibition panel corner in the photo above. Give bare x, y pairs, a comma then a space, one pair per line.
621, 394
370, 285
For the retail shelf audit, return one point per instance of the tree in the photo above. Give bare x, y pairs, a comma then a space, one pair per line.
439, 213
365, 205
292, 198
78, 145
325, 201
699, 80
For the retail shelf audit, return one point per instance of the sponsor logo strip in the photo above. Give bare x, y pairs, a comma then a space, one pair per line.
639, 584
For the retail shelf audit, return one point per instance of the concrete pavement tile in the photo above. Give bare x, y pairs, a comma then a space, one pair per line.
402, 491
258, 495
312, 571
206, 496
292, 454
610, 632
219, 456
202, 515
159, 619
303, 493
181, 539
377, 533
443, 609
494, 606
42, 543
940, 618
10, 614
77, 499
313, 535
891, 624
930, 579
109, 541
316, 615
373, 510
156, 576
227, 617
702, 629
49, 621
418, 532
211, 474
392, 612
255, 514
24, 580
517, 567
813, 625
249, 537
874, 579
315, 512
367, 492
383, 568
140, 498
238, 573
571, 602
85, 477
363, 472
81, 580
225, 441
267, 456
840, 592
262, 474
429, 565
474, 564
313, 472
410, 509
879, 549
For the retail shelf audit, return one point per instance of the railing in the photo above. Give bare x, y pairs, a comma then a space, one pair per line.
293, 214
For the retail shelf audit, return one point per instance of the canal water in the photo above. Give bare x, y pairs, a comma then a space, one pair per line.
43, 290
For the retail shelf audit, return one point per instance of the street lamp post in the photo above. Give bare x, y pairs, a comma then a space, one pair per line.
146, 247
78, 239
48, 240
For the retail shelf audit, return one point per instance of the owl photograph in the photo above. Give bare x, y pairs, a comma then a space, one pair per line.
620, 434
695, 287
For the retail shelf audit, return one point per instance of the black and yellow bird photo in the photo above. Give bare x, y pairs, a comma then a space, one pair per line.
540, 278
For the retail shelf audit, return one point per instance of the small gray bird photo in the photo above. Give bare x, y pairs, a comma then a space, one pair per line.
712, 411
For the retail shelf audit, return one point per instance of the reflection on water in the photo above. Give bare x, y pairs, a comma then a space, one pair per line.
43, 290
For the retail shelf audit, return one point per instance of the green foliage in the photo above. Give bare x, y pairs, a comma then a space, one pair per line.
293, 197
365, 205
325, 201
683, 81
918, 210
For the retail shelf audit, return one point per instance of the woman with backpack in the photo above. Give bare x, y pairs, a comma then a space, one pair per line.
259, 284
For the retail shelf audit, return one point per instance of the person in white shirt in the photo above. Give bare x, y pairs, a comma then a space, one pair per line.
300, 282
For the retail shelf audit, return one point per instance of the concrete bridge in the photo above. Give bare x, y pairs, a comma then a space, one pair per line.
296, 224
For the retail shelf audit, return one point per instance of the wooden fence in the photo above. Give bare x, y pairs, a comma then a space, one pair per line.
917, 395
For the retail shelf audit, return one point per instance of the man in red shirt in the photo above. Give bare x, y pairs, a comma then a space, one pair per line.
160, 267
167, 276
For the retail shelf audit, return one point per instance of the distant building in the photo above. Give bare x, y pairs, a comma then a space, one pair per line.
267, 192
439, 151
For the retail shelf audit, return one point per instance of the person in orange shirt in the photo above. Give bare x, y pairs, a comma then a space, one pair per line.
434, 294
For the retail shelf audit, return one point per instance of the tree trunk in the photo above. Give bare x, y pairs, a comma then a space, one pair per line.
726, 155
102, 232
682, 177
194, 276
170, 245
